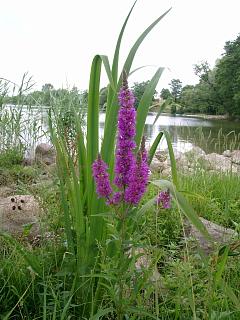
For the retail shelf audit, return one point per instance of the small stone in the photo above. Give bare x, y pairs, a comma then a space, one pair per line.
45, 154
16, 212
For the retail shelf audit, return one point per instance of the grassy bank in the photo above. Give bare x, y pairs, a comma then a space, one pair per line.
187, 285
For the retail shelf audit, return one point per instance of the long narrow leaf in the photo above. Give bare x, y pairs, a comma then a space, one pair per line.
132, 53
144, 104
172, 158
93, 121
154, 147
162, 107
184, 205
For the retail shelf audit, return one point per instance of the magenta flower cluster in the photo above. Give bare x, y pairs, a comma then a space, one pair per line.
131, 172
164, 199
101, 177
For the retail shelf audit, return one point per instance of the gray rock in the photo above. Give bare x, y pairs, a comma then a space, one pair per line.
218, 162
155, 165
195, 153
17, 212
45, 153
227, 153
167, 172
161, 155
219, 234
236, 157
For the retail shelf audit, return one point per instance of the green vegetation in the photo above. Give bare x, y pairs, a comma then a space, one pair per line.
218, 89
87, 267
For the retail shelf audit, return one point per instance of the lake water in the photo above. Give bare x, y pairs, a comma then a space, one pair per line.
210, 135
186, 132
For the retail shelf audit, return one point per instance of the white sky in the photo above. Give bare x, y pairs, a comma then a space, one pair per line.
56, 40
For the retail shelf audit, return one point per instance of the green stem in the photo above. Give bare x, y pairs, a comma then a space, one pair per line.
120, 311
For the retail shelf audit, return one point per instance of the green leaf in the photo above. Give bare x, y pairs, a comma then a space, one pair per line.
108, 71
30, 259
131, 55
184, 205
221, 266
101, 313
93, 122
145, 102
154, 146
118, 45
172, 158
162, 107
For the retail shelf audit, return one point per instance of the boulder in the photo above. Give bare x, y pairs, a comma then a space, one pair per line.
227, 153
45, 153
218, 162
166, 172
155, 165
236, 157
158, 166
219, 234
161, 155
17, 213
195, 154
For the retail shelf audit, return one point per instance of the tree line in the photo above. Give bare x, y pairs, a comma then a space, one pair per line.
218, 89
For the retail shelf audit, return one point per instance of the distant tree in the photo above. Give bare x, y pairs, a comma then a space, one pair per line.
103, 97
47, 87
176, 88
138, 90
228, 77
165, 94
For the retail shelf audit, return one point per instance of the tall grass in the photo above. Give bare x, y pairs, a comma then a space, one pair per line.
86, 281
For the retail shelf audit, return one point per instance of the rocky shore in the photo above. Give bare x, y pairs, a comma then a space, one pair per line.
197, 159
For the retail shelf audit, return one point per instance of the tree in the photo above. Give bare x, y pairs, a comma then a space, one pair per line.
176, 88
103, 97
138, 90
47, 87
228, 77
165, 94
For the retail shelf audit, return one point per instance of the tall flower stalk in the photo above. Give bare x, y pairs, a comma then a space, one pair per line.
131, 178
131, 172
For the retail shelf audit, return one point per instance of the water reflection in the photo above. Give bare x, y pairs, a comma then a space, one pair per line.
210, 135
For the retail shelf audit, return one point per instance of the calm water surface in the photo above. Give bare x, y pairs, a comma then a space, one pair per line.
186, 132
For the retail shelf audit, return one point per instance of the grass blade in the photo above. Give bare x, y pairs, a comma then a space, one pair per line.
172, 158
154, 147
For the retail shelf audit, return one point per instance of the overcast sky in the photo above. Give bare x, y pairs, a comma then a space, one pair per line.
56, 40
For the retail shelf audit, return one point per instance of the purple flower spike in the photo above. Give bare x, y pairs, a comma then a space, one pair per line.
164, 199
125, 161
139, 178
101, 178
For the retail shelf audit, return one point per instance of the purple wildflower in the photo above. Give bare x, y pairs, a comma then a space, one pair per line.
101, 178
125, 160
116, 199
164, 199
139, 177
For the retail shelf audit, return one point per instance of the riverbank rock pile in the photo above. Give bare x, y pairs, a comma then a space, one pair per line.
197, 159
